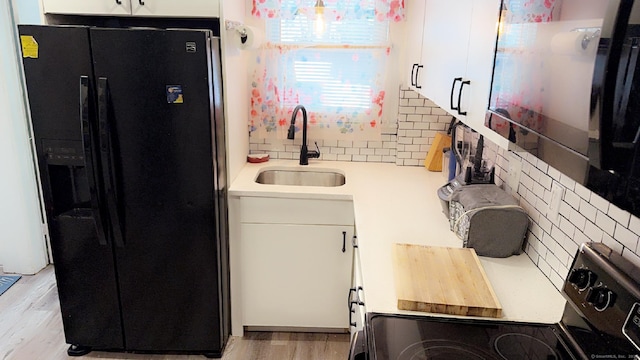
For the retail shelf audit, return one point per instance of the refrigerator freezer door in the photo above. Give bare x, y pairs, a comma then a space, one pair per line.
160, 116
55, 59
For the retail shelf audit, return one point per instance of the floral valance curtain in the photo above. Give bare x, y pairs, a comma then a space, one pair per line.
339, 75
335, 9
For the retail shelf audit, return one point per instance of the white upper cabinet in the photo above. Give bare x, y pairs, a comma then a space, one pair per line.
456, 54
444, 52
413, 51
146, 8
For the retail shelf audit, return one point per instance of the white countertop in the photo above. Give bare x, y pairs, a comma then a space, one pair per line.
399, 204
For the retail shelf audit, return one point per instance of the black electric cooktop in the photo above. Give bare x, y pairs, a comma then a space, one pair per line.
401, 337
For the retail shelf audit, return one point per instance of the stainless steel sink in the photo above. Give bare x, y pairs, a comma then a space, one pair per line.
300, 178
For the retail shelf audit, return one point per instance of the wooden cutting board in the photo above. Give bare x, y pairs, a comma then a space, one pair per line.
443, 280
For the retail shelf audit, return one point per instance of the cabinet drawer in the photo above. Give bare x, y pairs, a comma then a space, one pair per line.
296, 211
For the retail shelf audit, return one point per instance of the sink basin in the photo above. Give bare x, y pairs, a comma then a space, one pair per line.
300, 177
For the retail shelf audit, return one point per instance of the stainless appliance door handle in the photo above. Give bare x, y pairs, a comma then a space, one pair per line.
109, 175
89, 163
453, 86
468, 82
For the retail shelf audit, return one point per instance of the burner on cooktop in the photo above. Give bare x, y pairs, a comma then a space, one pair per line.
514, 346
443, 350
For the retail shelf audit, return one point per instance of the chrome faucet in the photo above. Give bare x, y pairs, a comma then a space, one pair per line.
305, 154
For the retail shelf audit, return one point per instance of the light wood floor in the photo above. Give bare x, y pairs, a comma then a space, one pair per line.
31, 329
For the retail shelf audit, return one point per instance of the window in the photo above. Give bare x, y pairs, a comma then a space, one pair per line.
337, 74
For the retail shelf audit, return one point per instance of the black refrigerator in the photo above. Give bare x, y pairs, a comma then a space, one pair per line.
129, 134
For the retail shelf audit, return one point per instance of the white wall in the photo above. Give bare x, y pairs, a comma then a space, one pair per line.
22, 246
236, 89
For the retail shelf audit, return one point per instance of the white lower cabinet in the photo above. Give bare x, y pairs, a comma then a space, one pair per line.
295, 275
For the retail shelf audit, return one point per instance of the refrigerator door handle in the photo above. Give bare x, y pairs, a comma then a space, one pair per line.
89, 164
108, 167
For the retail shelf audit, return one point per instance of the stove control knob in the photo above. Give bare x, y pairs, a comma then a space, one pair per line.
601, 298
582, 278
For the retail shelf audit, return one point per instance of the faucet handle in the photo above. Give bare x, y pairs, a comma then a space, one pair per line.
314, 154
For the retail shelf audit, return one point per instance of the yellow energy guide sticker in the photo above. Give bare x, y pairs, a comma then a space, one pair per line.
29, 46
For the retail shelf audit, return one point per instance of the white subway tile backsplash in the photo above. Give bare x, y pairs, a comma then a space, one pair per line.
337, 151
567, 227
567, 182
359, 158
416, 102
410, 94
420, 141
414, 133
606, 223
374, 144
626, 237
344, 157
578, 220
424, 126
600, 203
588, 211
330, 157
406, 110
542, 166
634, 225
348, 143
374, 158
420, 156
583, 192
546, 181
352, 151
545, 224
360, 144
368, 151
593, 232
535, 174
613, 244
557, 280
329, 143
410, 120
619, 215
526, 181
555, 174
572, 199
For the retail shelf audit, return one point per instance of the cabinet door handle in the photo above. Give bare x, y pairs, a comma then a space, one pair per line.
118, 2
351, 312
453, 86
141, 2
354, 242
417, 72
344, 241
468, 82
413, 71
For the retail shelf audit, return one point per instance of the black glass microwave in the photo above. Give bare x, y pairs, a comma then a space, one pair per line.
566, 87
